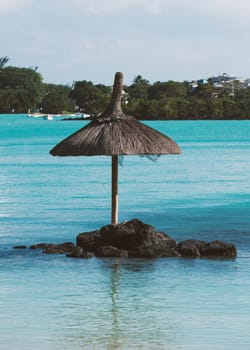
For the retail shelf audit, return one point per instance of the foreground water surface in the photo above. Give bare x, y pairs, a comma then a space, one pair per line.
53, 302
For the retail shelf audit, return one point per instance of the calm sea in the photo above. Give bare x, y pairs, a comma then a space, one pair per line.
50, 302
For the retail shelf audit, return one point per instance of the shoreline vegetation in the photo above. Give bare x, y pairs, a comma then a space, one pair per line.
22, 90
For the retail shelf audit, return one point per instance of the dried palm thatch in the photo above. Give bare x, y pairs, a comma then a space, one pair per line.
113, 133
121, 136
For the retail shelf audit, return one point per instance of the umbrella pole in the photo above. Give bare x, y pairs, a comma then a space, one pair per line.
114, 189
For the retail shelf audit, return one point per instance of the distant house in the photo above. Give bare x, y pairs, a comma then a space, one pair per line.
221, 79
202, 81
223, 84
246, 82
193, 85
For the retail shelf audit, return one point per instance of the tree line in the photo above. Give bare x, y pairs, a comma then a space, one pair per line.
23, 90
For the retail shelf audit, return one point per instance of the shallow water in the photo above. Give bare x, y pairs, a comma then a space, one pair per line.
53, 302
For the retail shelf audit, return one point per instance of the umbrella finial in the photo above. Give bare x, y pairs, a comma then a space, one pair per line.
115, 107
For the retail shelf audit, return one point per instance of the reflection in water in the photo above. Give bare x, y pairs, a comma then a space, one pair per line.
122, 277
136, 266
115, 342
124, 305
135, 309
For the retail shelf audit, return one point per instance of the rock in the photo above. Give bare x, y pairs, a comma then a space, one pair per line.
194, 248
152, 252
39, 246
129, 234
190, 248
219, 249
131, 238
160, 245
50, 248
89, 241
111, 252
78, 252
20, 247
136, 239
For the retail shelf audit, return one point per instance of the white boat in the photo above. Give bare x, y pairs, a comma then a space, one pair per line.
36, 115
48, 117
43, 116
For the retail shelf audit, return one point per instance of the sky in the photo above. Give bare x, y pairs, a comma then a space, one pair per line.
161, 40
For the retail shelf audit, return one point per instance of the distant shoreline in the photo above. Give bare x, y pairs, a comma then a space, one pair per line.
169, 119
69, 118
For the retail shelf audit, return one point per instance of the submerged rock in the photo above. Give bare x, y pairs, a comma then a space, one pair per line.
110, 251
50, 248
216, 249
78, 252
190, 248
219, 249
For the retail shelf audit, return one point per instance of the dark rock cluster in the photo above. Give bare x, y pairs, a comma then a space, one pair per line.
136, 239
129, 239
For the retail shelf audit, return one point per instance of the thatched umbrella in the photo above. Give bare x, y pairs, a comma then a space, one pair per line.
112, 134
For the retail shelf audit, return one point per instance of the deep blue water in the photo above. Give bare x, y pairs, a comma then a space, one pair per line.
52, 302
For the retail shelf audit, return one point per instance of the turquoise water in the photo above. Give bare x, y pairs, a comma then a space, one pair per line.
52, 302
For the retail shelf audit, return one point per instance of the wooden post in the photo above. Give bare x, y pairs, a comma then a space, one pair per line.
115, 106
114, 189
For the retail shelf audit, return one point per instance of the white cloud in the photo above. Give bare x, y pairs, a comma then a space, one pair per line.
97, 7
159, 6
7, 6
110, 6
226, 7
161, 39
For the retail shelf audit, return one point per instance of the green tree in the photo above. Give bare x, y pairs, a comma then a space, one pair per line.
142, 109
139, 88
56, 99
20, 89
230, 109
218, 108
161, 90
106, 90
3, 61
242, 101
89, 98
197, 108
204, 91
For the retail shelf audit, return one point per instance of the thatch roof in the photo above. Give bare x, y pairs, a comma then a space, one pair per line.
114, 133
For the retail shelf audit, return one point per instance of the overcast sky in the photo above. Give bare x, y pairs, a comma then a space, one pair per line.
160, 39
